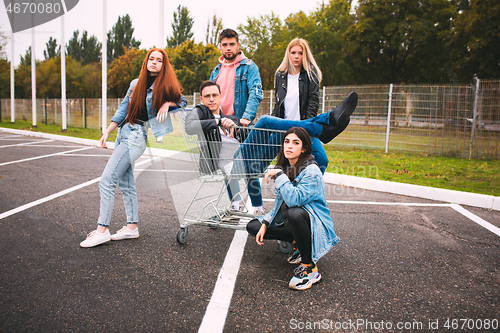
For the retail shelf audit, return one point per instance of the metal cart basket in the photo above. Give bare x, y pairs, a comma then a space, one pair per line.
217, 161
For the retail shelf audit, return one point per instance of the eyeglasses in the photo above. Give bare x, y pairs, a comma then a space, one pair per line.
208, 96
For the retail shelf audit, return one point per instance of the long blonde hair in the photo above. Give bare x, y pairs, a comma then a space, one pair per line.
308, 62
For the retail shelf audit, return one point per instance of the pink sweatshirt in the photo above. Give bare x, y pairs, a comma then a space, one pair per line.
226, 82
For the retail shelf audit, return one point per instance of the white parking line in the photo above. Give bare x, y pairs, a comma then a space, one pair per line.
26, 144
476, 219
50, 197
458, 208
87, 155
15, 138
44, 156
218, 307
165, 171
215, 316
60, 194
56, 146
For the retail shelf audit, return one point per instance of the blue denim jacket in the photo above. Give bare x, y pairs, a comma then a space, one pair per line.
247, 88
308, 192
159, 128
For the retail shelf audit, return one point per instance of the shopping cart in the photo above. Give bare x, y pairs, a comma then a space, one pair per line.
217, 162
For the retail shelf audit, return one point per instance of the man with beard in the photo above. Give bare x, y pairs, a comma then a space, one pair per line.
241, 87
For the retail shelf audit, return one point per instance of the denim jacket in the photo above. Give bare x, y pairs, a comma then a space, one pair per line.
159, 128
247, 88
308, 192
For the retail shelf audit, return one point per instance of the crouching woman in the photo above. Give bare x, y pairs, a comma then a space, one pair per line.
300, 214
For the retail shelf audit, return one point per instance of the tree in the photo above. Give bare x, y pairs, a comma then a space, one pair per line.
91, 49
51, 50
26, 60
3, 44
214, 28
74, 49
48, 75
398, 41
4, 69
325, 31
92, 81
120, 38
181, 27
260, 38
85, 50
475, 40
124, 69
193, 63
4, 78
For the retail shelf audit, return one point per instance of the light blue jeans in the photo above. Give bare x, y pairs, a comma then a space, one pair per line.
262, 146
130, 144
253, 189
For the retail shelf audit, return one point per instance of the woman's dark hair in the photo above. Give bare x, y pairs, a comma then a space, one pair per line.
283, 162
166, 87
228, 33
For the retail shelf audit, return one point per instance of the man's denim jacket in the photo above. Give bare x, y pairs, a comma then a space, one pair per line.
247, 89
159, 128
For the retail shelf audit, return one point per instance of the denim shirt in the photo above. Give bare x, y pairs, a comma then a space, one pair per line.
308, 192
247, 89
158, 128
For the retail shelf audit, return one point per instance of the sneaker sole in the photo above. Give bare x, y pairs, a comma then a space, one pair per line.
309, 283
296, 261
87, 246
124, 238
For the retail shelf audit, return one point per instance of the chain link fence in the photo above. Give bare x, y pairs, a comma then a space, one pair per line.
448, 120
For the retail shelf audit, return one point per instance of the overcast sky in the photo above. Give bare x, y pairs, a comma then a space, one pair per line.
87, 15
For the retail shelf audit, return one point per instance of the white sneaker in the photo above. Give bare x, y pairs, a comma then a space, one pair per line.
125, 233
259, 211
96, 238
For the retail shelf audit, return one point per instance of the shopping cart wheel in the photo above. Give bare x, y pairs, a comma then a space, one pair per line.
182, 235
285, 247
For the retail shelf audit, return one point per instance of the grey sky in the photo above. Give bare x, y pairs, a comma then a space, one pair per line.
87, 15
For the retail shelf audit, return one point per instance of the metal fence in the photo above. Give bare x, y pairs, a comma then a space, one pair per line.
448, 120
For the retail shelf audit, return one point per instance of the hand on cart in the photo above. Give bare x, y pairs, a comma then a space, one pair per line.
227, 126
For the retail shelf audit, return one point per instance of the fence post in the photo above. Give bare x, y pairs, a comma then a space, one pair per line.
68, 107
45, 108
100, 124
323, 101
474, 118
271, 93
388, 120
85, 112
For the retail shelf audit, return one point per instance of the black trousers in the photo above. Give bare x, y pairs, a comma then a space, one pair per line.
296, 226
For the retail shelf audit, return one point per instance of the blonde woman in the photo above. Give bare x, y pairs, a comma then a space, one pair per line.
296, 85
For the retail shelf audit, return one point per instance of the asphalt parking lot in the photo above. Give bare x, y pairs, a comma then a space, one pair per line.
403, 264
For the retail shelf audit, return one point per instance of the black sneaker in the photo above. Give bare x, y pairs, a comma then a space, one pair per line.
331, 131
340, 115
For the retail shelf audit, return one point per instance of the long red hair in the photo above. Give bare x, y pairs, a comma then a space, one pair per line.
166, 87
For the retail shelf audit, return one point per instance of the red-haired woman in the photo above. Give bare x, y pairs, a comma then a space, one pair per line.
146, 105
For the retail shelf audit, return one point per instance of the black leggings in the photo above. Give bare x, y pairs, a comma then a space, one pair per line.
296, 227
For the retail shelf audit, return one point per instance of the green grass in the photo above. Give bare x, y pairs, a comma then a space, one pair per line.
477, 176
